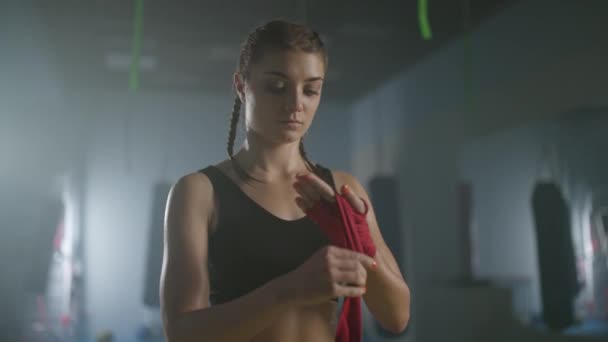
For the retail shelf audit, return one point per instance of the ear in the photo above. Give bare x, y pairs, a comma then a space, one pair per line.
239, 86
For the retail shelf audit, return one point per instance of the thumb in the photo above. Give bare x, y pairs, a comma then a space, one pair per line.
368, 262
355, 201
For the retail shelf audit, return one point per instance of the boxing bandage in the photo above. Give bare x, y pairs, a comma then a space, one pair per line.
346, 228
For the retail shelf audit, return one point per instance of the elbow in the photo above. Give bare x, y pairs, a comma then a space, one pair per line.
404, 314
175, 335
400, 318
173, 331
403, 322
399, 324
170, 334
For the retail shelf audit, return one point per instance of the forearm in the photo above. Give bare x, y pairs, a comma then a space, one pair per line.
237, 320
388, 296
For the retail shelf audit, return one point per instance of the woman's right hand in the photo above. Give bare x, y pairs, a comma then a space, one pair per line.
330, 272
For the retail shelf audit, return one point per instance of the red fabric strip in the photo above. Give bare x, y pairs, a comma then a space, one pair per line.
346, 228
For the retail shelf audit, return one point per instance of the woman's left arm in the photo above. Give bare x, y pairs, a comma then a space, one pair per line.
387, 296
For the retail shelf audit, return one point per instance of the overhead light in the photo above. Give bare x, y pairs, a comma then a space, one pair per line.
121, 61
223, 53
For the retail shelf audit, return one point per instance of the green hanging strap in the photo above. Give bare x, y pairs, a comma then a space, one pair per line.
423, 20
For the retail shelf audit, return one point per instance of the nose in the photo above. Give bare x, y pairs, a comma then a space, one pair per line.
294, 102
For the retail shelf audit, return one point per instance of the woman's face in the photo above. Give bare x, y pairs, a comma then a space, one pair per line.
282, 94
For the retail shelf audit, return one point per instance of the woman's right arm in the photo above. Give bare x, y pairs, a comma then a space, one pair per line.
187, 315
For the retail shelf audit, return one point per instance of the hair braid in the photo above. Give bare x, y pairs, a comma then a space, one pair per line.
307, 161
234, 120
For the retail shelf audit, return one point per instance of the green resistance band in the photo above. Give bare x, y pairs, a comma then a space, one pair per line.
423, 20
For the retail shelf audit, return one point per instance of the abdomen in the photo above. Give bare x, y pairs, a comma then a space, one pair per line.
316, 323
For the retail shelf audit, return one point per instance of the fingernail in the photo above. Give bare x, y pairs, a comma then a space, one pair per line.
374, 264
345, 188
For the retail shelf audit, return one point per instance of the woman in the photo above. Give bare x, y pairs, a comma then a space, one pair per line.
243, 261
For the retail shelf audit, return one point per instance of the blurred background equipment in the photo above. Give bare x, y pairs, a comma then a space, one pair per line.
444, 111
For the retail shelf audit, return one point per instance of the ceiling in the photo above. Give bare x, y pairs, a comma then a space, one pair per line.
193, 46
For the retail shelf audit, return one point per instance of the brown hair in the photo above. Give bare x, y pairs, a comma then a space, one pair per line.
276, 34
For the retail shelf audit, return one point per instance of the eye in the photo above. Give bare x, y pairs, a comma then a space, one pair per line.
311, 92
276, 87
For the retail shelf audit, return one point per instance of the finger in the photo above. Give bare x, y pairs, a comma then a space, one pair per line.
307, 191
352, 265
303, 203
354, 200
347, 264
342, 259
349, 291
351, 278
368, 262
319, 185
310, 188
346, 254
356, 275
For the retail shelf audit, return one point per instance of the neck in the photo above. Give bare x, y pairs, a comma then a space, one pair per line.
267, 161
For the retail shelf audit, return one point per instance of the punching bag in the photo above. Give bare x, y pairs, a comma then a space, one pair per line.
556, 259
155, 245
46, 230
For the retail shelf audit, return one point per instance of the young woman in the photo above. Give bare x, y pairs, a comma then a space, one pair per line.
243, 260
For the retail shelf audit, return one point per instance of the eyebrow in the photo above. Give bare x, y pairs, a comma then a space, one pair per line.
280, 74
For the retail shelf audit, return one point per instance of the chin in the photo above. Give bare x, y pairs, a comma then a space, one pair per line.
281, 136
288, 137
291, 139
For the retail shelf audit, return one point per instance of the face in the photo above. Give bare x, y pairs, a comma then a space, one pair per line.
282, 94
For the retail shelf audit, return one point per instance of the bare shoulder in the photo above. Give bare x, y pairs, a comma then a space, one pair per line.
343, 177
184, 276
191, 195
195, 184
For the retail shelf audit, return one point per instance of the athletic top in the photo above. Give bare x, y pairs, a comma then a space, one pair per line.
251, 246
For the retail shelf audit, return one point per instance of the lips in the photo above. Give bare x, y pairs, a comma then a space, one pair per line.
291, 124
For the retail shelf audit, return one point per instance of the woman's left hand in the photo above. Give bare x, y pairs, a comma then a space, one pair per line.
311, 188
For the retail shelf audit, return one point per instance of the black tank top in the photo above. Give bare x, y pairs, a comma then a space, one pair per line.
251, 246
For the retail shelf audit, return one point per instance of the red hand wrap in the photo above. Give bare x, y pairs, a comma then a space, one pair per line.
346, 228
